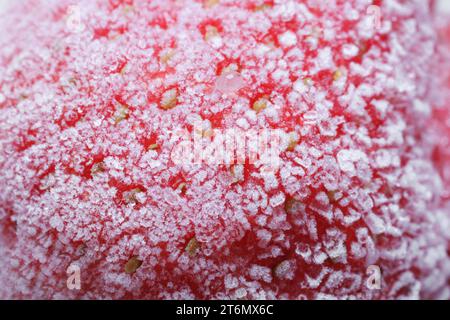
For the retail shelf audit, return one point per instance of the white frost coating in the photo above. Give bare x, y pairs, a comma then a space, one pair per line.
57, 223
349, 159
350, 51
231, 282
288, 39
375, 224
88, 178
277, 200
260, 273
324, 60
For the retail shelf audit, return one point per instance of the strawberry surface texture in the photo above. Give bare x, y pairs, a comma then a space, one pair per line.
224, 149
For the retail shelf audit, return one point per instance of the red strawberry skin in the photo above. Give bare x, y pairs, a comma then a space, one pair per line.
94, 98
442, 111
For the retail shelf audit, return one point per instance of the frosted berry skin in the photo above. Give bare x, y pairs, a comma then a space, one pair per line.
91, 96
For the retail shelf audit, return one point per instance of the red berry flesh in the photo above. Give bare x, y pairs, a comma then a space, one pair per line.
103, 103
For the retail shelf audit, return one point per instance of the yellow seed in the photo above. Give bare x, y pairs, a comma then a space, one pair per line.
293, 142
288, 205
169, 99
210, 3
260, 104
211, 32
337, 75
229, 69
207, 133
332, 195
182, 187
281, 269
121, 114
166, 56
130, 196
291, 205
73, 81
262, 7
307, 82
192, 247
128, 9
124, 69
132, 265
97, 168
153, 146
362, 49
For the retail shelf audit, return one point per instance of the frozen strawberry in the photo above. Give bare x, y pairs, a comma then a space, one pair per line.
442, 111
220, 149
441, 115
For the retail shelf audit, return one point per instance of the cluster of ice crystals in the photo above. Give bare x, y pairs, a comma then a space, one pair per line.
93, 104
